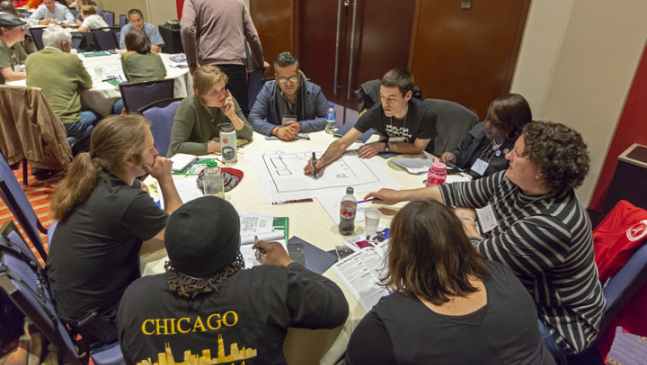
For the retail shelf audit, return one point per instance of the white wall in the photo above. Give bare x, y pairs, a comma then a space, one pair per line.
583, 82
161, 10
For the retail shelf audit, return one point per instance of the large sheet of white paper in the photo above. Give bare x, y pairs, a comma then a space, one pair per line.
280, 175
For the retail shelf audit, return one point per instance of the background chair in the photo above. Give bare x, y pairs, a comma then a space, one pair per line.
161, 115
453, 123
123, 20
26, 286
106, 38
140, 94
110, 17
14, 197
37, 34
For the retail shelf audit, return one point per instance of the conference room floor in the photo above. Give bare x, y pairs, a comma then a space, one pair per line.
308, 221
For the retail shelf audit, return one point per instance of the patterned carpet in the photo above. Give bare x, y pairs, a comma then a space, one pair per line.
38, 193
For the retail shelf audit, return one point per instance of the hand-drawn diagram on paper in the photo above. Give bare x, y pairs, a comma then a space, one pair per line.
280, 175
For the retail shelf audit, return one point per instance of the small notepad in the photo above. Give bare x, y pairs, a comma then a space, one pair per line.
181, 161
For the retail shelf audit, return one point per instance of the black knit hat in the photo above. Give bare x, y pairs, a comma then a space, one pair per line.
202, 236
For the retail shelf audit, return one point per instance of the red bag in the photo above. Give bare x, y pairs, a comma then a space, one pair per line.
621, 232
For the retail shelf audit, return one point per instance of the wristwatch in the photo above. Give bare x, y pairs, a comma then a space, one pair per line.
386, 147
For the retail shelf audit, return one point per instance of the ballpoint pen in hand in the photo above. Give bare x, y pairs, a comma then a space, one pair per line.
314, 164
258, 250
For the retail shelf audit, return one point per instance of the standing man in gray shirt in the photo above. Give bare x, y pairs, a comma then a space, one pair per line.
213, 33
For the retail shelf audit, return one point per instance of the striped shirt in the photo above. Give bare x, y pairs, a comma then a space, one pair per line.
548, 242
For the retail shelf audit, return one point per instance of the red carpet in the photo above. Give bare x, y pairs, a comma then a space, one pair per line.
38, 193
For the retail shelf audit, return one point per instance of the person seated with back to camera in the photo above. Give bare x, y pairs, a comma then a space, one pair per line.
91, 20
139, 63
449, 305
405, 124
103, 217
530, 220
290, 104
482, 152
199, 116
62, 75
207, 302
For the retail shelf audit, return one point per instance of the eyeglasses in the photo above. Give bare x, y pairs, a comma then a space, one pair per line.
284, 80
214, 92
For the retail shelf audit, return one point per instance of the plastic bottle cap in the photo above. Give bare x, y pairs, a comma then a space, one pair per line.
227, 127
331, 105
212, 164
439, 166
349, 190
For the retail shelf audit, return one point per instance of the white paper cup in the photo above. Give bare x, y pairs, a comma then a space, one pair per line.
371, 221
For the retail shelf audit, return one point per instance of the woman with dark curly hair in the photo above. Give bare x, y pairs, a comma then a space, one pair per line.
482, 152
446, 298
531, 221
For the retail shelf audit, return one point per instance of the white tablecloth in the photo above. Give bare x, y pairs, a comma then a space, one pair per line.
308, 221
103, 95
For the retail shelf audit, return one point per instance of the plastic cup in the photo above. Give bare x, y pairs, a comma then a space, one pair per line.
371, 221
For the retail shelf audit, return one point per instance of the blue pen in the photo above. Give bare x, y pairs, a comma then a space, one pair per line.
454, 166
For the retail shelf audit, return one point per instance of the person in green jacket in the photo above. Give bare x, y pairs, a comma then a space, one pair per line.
199, 116
139, 63
61, 74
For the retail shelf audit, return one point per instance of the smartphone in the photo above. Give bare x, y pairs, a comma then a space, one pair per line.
295, 250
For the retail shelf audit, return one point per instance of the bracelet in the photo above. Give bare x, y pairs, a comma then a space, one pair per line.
467, 219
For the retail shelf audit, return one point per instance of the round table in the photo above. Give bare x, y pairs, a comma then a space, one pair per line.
308, 221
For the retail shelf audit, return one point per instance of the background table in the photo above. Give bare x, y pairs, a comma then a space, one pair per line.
308, 221
103, 95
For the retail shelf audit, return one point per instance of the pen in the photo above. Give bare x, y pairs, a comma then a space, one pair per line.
258, 250
454, 166
314, 163
307, 200
367, 200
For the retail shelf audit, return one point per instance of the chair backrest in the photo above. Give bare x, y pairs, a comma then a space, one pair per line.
110, 17
123, 20
37, 34
14, 197
161, 115
12, 235
28, 290
105, 38
453, 123
624, 284
140, 94
76, 41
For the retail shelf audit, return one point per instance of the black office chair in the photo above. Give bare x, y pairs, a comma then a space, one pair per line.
37, 34
123, 20
106, 38
140, 94
110, 17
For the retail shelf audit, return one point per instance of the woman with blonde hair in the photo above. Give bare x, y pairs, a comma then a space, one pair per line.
103, 218
199, 116
449, 305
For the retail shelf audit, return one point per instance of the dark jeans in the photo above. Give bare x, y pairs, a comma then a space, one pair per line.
87, 119
237, 85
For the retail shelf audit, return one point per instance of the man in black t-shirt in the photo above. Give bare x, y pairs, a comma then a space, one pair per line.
404, 124
206, 308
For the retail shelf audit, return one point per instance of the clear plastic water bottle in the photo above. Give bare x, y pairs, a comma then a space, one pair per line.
214, 182
228, 143
437, 174
331, 118
347, 211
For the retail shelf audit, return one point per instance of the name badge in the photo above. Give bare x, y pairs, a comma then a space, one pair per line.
487, 219
479, 166
396, 139
288, 119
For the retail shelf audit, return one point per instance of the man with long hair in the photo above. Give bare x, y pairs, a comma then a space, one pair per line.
103, 218
207, 306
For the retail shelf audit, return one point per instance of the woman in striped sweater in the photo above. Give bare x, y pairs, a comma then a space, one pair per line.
531, 221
